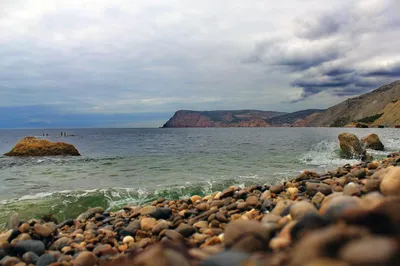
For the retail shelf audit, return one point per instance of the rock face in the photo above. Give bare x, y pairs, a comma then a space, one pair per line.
297, 119
380, 107
367, 105
30, 146
372, 141
390, 114
229, 118
350, 145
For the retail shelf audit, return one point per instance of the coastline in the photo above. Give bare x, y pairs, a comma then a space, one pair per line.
339, 216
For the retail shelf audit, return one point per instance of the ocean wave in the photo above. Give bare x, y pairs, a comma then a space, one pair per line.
325, 154
68, 204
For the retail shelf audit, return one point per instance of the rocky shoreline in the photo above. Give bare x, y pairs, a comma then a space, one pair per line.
347, 216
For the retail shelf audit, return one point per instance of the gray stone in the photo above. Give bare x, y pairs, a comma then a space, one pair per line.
46, 259
30, 245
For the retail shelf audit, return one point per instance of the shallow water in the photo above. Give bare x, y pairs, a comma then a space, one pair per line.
120, 166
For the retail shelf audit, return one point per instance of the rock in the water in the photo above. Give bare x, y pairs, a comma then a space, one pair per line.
30, 245
390, 184
372, 141
350, 145
30, 146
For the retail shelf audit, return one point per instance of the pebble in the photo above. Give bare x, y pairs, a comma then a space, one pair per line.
301, 208
226, 258
35, 246
318, 199
226, 193
246, 235
30, 257
352, 189
277, 188
24, 228
252, 200
334, 208
85, 258
186, 230
147, 210
202, 207
42, 230
147, 224
161, 225
161, 213
314, 188
390, 185
45, 259
371, 251
128, 240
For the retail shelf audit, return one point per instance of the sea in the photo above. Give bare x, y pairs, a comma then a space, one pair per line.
136, 166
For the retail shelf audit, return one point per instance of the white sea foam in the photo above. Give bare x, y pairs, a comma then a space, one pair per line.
325, 154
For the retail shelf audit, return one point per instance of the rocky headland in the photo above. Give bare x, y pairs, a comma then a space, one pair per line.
347, 216
31, 146
378, 108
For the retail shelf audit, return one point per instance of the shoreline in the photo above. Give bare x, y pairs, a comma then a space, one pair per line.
334, 218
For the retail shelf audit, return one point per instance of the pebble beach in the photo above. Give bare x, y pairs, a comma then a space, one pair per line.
346, 216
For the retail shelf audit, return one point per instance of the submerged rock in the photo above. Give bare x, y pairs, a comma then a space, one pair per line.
30, 146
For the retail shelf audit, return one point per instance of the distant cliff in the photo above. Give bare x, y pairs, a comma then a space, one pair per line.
377, 105
380, 107
221, 118
297, 119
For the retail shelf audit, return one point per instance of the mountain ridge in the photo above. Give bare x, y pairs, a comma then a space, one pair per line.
379, 107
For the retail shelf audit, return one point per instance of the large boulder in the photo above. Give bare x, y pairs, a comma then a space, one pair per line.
350, 145
372, 141
30, 146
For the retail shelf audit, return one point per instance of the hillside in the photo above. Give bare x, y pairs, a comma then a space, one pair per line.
364, 106
376, 108
298, 119
390, 115
221, 118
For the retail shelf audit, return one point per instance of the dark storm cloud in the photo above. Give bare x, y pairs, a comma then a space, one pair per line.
339, 51
389, 70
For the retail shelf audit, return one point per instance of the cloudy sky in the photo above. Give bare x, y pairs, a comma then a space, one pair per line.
134, 63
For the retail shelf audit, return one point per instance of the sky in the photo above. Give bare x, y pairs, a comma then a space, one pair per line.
133, 63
